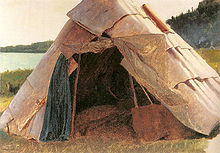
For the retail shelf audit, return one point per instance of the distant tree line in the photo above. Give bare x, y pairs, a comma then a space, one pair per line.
199, 27
39, 47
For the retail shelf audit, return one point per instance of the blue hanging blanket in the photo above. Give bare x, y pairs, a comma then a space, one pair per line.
57, 118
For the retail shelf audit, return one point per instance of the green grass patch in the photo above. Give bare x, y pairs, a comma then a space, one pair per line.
4, 102
212, 57
11, 81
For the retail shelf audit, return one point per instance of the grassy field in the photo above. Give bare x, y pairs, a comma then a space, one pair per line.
102, 145
4, 102
11, 81
212, 57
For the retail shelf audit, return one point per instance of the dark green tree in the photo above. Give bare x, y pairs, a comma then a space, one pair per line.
198, 27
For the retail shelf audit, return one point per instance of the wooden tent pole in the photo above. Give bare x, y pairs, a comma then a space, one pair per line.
160, 24
134, 93
74, 99
146, 94
133, 90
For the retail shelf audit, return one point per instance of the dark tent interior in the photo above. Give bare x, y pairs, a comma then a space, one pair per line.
103, 81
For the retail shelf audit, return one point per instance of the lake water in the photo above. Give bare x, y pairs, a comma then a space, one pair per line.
14, 61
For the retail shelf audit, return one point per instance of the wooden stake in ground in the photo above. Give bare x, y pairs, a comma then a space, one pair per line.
74, 99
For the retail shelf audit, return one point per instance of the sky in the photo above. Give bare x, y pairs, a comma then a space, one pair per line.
29, 21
